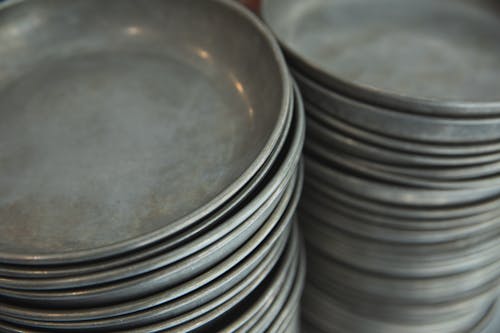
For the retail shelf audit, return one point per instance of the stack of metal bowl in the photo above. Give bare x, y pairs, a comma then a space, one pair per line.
149, 169
401, 207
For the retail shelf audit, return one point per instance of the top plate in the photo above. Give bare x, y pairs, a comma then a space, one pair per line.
124, 122
437, 57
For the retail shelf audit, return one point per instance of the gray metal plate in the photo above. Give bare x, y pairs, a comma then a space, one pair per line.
437, 57
130, 106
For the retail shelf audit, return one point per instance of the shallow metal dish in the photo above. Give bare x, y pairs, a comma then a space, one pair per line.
400, 290
260, 188
343, 141
407, 126
394, 143
168, 308
422, 261
253, 231
184, 306
412, 177
160, 303
329, 314
110, 110
434, 57
357, 221
414, 217
211, 311
394, 194
253, 212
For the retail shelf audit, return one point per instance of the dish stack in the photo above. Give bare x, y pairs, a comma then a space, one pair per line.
149, 170
401, 207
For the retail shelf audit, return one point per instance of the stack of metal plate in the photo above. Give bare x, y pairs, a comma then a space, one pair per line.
149, 169
401, 206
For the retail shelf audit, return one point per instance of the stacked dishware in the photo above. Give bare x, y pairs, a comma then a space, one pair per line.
149, 169
401, 204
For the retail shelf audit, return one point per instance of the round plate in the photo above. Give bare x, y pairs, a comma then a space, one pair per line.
455, 259
407, 126
260, 188
403, 290
237, 304
397, 174
395, 143
130, 106
386, 229
436, 57
282, 311
205, 311
428, 218
393, 194
329, 314
189, 295
319, 129
164, 277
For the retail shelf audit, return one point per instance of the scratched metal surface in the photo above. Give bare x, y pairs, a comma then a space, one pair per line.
122, 122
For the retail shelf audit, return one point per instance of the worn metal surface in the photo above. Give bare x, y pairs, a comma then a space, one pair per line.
252, 213
285, 153
435, 57
130, 105
180, 292
234, 229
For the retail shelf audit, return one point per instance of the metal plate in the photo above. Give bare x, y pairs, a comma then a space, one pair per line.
233, 306
417, 295
410, 176
394, 143
190, 295
161, 303
328, 314
260, 188
164, 276
422, 56
459, 261
161, 255
415, 217
130, 106
343, 141
239, 292
386, 229
394, 194
406, 126
283, 314
263, 309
